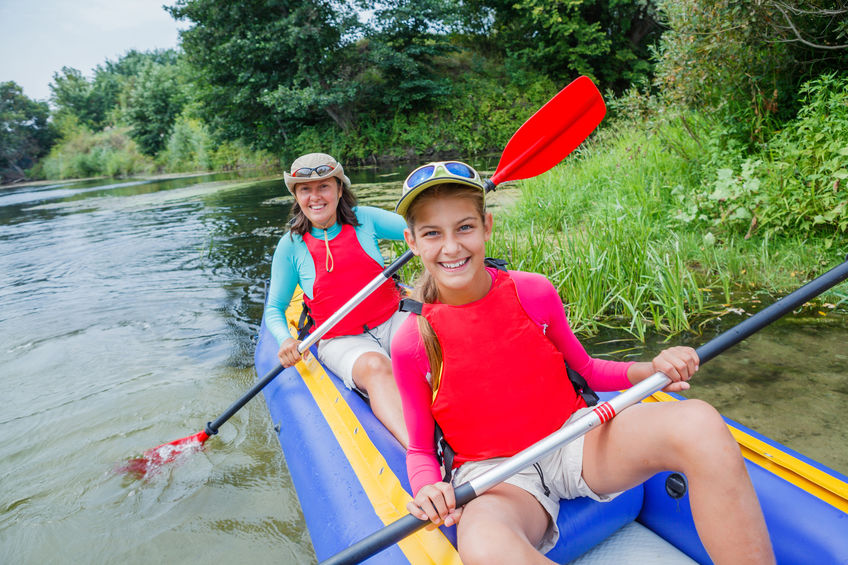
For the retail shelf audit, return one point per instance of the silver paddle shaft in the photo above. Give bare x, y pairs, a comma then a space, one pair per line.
600, 414
355, 300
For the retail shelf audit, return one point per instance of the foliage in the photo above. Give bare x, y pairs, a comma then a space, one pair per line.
263, 68
797, 184
607, 40
232, 156
99, 102
189, 146
404, 44
81, 154
612, 227
811, 28
481, 116
154, 101
25, 133
735, 58
72, 95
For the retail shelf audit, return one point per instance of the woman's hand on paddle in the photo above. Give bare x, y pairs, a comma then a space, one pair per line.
436, 503
288, 353
677, 363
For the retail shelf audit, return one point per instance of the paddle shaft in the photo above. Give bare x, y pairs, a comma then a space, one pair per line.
355, 300
600, 414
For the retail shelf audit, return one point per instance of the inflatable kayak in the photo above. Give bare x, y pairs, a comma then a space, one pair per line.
350, 476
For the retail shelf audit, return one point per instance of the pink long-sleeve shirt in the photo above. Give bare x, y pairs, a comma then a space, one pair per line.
411, 368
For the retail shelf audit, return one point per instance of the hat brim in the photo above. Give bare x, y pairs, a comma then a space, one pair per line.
406, 200
338, 172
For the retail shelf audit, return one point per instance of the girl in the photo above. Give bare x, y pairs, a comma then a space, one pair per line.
484, 360
332, 253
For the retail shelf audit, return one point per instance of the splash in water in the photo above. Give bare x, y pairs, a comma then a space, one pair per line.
153, 459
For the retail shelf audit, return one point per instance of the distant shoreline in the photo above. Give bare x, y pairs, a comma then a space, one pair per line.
159, 176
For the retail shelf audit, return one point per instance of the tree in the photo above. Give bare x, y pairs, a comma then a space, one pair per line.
156, 99
25, 134
71, 93
746, 59
608, 40
98, 102
114, 80
265, 68
405, 40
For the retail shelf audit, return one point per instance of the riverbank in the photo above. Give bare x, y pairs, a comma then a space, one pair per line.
156, 177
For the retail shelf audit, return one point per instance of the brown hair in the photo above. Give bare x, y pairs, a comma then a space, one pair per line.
425, 290
300, 224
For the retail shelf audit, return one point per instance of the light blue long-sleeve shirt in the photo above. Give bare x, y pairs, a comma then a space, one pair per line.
293, 265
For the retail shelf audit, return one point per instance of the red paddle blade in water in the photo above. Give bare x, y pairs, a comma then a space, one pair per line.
154, 458
553, 132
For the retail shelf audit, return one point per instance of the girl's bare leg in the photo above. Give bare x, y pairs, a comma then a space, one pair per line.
688, 436
503, 525
372, 373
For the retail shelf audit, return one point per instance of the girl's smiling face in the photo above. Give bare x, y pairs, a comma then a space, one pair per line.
319, 199
450, 236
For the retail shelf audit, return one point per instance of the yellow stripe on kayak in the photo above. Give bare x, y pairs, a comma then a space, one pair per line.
381, 485
803, 475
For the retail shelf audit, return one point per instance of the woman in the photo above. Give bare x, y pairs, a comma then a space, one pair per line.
332, 253
484, 359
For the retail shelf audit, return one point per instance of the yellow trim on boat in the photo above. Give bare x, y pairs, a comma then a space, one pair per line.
381, 485
803, 475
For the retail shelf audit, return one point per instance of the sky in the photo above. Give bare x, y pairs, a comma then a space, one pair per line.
39, 37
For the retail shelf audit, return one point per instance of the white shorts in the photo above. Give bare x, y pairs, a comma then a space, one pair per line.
563, 474
340, 353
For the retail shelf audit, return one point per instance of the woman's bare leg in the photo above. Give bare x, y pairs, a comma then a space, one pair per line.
691, 437
503, 525
372, 372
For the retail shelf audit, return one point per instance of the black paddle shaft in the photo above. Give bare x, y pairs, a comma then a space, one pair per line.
780, 308
392, 533
409, 524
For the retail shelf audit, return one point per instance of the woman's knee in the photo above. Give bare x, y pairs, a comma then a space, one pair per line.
372, 369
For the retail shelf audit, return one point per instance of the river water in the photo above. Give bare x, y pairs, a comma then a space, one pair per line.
128, 313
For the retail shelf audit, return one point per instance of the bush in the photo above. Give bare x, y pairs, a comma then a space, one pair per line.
796, 185
481, 116
82, 153
188, 147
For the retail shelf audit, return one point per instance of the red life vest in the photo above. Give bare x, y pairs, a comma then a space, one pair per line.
503, 383
352, 269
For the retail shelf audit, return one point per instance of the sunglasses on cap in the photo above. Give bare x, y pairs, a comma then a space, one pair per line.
425, 173
306, 172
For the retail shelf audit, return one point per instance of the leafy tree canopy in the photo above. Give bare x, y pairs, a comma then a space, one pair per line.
25, 134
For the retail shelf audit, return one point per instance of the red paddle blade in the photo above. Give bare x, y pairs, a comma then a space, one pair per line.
553, 132
154, 458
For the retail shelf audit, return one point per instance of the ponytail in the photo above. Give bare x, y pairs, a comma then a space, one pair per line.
426, 292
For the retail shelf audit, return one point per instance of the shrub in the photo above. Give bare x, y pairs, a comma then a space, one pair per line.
796, 185
82, 153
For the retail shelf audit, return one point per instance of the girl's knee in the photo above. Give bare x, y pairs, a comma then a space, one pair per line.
699, 428
483, 548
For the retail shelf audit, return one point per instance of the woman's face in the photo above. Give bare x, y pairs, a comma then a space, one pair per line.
450, 238
318, 199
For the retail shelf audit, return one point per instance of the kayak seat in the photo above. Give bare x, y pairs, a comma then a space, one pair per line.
584, 523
